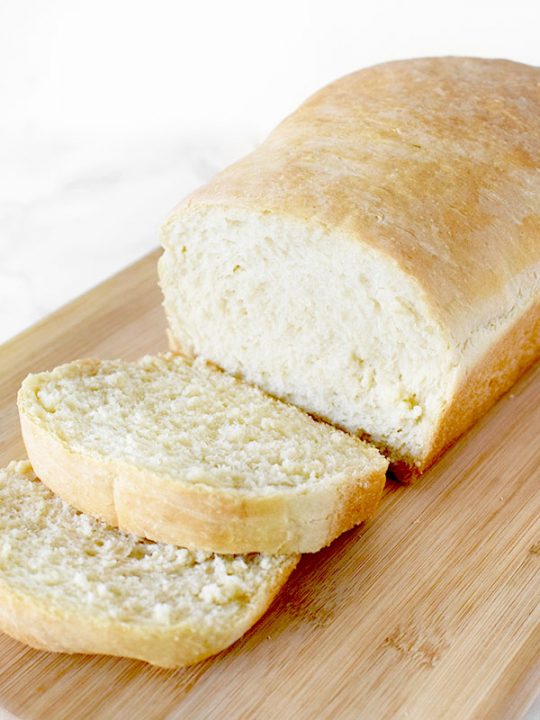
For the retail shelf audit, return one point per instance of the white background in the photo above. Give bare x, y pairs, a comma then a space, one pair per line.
111, 111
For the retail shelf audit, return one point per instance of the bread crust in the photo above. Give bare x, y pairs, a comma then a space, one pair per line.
46, 627
435, 164
498, 369
197, 516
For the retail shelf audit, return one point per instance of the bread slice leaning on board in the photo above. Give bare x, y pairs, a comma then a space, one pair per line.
180, 452
376, 260
69, 583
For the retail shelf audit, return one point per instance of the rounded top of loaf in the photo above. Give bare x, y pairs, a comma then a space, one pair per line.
434, 162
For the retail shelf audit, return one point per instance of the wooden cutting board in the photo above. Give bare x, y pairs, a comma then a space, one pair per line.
429, 612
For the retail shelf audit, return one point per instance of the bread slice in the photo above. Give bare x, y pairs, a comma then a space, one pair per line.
376, 261
180, 452
69, 583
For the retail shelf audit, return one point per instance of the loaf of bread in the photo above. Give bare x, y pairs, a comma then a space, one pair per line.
69, 583
180, 452
376, 260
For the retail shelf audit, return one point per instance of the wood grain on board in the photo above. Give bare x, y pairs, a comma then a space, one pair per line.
431, 611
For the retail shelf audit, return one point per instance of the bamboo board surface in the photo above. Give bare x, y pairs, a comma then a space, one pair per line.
429, 612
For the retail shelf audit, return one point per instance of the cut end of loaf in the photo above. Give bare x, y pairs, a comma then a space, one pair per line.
313, 317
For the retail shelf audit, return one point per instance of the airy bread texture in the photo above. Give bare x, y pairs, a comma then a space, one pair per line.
376, 260
180, 452
69, 583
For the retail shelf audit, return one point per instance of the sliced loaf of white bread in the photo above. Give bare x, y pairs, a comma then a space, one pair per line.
376, 261
180, 452
69, 583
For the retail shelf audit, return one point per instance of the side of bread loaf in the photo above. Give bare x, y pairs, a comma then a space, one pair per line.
180, 452
69, 583
376, 260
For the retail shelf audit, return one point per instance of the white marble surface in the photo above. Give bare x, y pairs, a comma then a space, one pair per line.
71, 215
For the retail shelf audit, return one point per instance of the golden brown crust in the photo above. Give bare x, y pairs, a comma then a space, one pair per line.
434, 162
496, 372
196, 516
492, 376
45, 627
